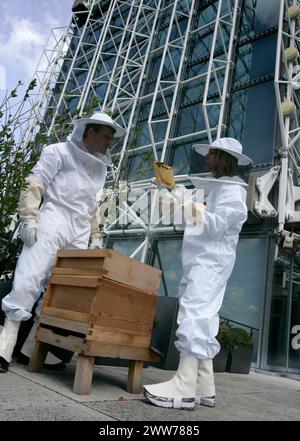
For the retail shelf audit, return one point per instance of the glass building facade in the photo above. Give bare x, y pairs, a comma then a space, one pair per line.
175, 73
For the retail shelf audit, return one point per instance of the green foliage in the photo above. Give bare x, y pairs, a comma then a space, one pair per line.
231, 336
16, 161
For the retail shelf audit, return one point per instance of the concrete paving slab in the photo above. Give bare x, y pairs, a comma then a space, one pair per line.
109, 383
241, 404
48, 396
24, 400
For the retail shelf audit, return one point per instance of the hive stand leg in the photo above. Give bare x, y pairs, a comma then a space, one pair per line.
134, 377
83, 375
38, 357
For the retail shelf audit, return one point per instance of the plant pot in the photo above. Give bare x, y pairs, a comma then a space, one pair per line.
220, 360
239, 360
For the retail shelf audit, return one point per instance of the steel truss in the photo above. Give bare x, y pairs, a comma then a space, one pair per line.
219, 68
223, 23
47, 75
104, 52
287, 85
58, 67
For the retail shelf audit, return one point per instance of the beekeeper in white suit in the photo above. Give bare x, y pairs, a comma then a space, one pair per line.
57, 209
208, 259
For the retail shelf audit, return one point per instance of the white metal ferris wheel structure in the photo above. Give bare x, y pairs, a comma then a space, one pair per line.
107, 48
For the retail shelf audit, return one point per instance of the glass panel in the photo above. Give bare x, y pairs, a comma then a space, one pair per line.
126, 247
255, 60
71, 104
182, 22
140, 166
119, 16
184, 159
193, 90
160, 106
190, 119
294, 344
259, 15
161, 37
141, 136
201, 46
167, 257
197, 164
171, 62
154, 68
116, 147
252, 121
100, 91
181, 153
206, 15
277, 349
246, 286
149, 87
194, 69
163, 25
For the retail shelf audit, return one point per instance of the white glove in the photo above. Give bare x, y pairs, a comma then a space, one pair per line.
28, 231
96, 242
193, 211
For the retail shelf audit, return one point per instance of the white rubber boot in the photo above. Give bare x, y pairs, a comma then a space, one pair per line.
205, 390
179, 392
8, 339
29, 344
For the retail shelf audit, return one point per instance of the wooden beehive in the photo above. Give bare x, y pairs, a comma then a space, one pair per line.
99, 303
110, 265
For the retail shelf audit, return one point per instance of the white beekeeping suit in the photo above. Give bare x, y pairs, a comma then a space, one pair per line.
69, 179
208, 259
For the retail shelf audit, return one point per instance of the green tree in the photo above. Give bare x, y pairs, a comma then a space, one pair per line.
16, 161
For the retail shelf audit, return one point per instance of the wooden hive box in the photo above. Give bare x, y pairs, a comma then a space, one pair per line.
99, 303
110, 265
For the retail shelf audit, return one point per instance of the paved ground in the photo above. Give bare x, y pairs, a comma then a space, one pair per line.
48, 396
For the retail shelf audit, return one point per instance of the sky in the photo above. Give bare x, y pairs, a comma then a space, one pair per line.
25, 26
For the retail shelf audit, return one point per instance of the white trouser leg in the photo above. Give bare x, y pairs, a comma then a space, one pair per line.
205, 391
198, 320
8, 338
179, 392
29, 343
33, 269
